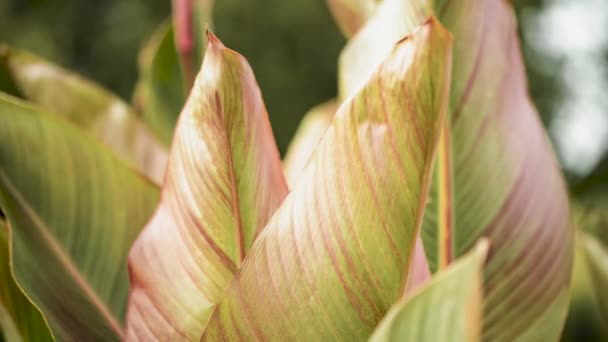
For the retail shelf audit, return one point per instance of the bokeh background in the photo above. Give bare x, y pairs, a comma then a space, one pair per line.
293, 48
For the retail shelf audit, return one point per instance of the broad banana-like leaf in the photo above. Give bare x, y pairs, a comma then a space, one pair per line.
447, 309
19, 318
160, 93
224, 181
496, 175
335, 255
306, 138
87, 105
74, 210
350, 15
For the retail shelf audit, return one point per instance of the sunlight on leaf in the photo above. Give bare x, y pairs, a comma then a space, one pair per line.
223, 183
335, 256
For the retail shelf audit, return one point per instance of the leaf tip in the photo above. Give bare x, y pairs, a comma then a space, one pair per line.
431, 27
212, 39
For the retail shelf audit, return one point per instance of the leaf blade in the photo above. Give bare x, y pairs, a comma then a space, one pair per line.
160, 94
88, 106
306, 139
19, 318
597, 258
72, 244
452, 301
505, 182
316, 272
523, 208
223, 183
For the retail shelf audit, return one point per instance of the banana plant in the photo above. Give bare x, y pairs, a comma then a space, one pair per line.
424, 203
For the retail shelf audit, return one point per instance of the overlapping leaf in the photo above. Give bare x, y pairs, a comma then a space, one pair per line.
496, 175
73, 209
307, 137
168, 63
87, 105
20, 320
223, 183
447, 309
160, 93
335, 256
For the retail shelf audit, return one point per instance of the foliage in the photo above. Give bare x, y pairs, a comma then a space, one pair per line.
425, 195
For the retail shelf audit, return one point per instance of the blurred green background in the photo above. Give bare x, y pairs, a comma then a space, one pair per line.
293, 48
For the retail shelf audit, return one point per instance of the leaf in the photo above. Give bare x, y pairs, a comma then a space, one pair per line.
20, 320
447, 309
168, 64
87, 105
351, 15
73, 209
335, 255
593, 240
597, 259
584, 318
496, 175
306, 138
522, 205
160, 92
223, 183
393, 20
190, 19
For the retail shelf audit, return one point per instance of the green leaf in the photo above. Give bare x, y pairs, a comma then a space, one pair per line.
447, 309
597, 259
169, 62
306, 139
335, 255
74, 210
584, 318
592, 220
223, 183
160, 92
351, 15
20, 320
87, 105
496, 175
